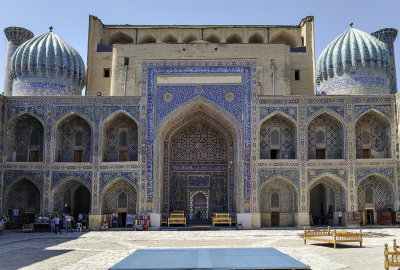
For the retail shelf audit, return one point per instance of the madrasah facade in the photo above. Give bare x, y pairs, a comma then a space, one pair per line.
204, 119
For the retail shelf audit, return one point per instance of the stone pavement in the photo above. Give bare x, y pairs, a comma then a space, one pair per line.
101, 250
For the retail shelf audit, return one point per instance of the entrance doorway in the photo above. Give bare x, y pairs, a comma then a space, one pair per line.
72, 197
275, 219
322, 200
369, 216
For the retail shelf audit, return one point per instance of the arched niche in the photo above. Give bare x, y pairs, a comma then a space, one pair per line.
373, 136
256, 38
120, 139
25, 196
73, 140
213, 38
148, 39
119, 195
189, 38
278, 138
327, 194
325, 138
25, 137
278, 200
169, 38
234, 38
283, 37
72, 196
120, 38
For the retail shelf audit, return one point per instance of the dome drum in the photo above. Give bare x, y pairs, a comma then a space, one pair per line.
39, 86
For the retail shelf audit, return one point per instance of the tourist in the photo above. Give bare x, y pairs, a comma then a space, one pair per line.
57, 224
2, 226
330, 216
340, 217
68, 220
15, 216
104, 227
114, 218
52, 225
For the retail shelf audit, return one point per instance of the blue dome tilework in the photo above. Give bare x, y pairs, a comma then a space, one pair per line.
47, 65
354, 63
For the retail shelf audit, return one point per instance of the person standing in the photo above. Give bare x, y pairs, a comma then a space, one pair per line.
68, 219
57, 224
340, 217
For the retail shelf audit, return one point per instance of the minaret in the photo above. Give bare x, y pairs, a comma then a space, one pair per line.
388, 36
15, 36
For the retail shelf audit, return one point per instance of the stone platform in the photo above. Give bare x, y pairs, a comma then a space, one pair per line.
209, 258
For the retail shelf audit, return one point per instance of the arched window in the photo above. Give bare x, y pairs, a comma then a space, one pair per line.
213, 38
369, 195
122, 200
234, 38
123, 138
34, 138
78, 138
275, 200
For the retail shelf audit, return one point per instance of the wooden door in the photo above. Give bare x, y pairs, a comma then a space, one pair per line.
78, 155
366, 153
123, 155
274, 219
33, 156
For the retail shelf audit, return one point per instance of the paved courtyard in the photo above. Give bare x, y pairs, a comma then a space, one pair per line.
101, 250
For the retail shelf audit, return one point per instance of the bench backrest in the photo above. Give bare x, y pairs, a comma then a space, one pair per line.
221, 215
177, 215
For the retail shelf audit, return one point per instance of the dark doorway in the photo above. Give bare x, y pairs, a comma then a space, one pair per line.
320, 154
274, 219
369, 216
121, 219
275, 154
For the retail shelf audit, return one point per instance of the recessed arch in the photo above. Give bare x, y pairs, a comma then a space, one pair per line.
71, 195
326, 137
256, 38
120, 38
278, 139
213, 38
327, 195
189, 38
234, 38
383, 193
373, 136
191, 111
67, 149
19, 147
169, 38
148, 38
114, 128
110, 196
283, 37
283, 209
26, 196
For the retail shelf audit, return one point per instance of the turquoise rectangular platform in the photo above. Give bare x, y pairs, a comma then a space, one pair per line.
209, 258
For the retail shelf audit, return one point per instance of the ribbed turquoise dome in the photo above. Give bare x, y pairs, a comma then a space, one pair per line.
354, 63
47, 65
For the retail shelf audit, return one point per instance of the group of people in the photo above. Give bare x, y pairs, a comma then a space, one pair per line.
63, 221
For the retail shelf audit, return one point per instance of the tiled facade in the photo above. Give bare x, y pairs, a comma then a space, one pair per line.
201, 137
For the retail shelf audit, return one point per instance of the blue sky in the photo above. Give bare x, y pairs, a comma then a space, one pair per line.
70, 17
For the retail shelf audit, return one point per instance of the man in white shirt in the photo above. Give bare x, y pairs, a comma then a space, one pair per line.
57, 224
68, 220
340, 217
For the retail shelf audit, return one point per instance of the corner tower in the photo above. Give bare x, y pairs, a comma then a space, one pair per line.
15, 36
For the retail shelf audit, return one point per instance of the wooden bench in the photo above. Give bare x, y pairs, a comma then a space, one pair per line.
221, 218
27, 227
334, 236
177, 218
392, 258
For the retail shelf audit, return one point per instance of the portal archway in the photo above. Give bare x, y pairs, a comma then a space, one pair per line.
327, 197
71, 196
23, 195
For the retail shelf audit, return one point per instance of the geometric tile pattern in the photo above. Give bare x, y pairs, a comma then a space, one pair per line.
382, 197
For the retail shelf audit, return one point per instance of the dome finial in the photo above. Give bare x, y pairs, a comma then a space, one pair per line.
351, 24
51, 28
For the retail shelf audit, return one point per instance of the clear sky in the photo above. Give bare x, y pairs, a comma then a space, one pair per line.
70, 17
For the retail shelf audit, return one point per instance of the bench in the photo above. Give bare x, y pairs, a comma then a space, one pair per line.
334, 236
221, 218
392, 258
177, 218
27, 227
